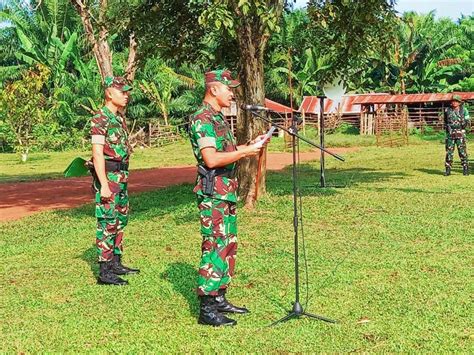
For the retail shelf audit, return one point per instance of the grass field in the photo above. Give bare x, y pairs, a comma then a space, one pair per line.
52, 165
389, 256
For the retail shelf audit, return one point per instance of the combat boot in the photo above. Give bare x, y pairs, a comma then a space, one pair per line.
226, 307
465, 170
209, 315
107, 277
448, 171
119, 269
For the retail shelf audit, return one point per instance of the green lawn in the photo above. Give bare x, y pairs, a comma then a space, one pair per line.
51, 165
389, 256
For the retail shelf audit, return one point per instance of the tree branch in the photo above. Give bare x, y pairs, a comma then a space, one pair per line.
132, 58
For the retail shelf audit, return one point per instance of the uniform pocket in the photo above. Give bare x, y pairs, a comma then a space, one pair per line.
105, 209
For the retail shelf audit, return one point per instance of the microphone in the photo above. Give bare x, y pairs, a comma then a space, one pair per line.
254, 108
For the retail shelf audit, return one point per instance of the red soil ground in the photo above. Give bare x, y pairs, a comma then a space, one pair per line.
18, 200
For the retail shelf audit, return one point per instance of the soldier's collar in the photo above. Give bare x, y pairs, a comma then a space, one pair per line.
210, 108
107, 111
117, 115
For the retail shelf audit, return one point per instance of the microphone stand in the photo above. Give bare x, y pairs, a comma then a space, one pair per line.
297, 310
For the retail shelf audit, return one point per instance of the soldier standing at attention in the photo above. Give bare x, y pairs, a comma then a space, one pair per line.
456, 119
110, 155
216, 152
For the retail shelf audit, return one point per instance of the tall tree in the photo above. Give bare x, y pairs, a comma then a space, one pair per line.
350, 31
97, 24
251, 23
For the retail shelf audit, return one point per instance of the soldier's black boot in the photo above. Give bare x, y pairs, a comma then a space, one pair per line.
119, 269
226, 307
465, 170
107, 277
448, 171
209, 315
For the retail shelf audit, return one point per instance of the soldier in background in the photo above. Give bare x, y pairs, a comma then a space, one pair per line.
457, 120
110, 155
216, 152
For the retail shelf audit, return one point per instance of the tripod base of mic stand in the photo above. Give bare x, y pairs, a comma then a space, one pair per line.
297, 312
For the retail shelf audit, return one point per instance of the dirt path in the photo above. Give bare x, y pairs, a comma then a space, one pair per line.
22, 199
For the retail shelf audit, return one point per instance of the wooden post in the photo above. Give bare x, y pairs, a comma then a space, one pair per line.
149, 133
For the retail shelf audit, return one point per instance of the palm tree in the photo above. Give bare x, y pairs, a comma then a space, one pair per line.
421, 41
162, 86
306, 77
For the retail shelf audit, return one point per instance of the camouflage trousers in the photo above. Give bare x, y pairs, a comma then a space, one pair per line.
112, 217
451, 143
219, 244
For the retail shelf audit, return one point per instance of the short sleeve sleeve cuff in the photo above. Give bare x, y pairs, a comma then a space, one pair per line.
206, 142
99, 125
98, 139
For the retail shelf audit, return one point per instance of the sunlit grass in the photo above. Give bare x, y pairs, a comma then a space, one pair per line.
389, 257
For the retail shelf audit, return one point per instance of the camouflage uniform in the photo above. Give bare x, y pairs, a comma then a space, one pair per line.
456, 122
112, 214
208, 128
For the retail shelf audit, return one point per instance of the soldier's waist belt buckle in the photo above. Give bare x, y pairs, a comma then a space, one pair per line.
204, 171
111, 165
225, 173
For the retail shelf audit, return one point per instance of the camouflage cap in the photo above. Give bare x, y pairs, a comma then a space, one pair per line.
117, 82
456, 98
222, 76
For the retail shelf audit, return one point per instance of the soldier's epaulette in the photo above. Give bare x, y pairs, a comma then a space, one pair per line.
204, 115
99, 116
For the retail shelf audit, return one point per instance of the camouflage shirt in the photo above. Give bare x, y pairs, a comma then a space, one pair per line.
457, 119
114, 130
208, 128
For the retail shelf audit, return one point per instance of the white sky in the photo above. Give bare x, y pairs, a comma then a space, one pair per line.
444, 8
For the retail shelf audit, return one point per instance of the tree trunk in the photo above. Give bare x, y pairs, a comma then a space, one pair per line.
252, 36
100, 46
252, 90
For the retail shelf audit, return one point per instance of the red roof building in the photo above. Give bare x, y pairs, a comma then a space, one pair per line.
409, 98
277, 107
310, 104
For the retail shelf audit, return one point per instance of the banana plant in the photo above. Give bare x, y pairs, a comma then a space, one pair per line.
42, 35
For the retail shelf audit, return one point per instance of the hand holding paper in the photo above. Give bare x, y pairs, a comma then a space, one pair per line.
267, 136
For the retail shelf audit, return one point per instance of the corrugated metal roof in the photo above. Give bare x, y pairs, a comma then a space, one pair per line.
310, 104
277, 107
409, 98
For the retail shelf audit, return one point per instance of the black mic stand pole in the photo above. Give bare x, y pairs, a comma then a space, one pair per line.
321, 137
297, 310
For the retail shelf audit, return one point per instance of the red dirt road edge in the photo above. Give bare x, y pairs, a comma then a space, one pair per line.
22, 199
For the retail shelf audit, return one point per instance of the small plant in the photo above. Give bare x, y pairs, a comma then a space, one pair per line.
23, 106
346, 128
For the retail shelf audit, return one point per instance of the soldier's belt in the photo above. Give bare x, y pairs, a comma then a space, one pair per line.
111, 165
225, 172
457, 133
